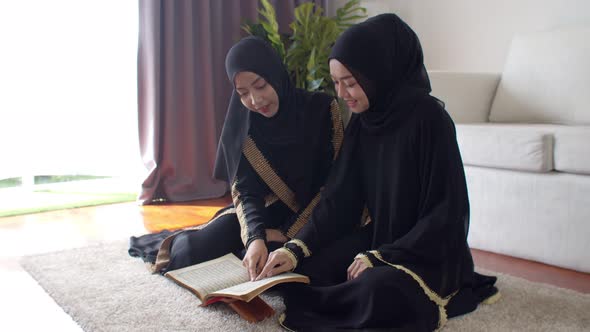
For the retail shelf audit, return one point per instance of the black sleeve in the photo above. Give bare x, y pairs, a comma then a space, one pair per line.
340, 207
248, 194
440, 232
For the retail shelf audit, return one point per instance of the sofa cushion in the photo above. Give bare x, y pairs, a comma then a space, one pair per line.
467, 96
524, 148
572, 149
546, 78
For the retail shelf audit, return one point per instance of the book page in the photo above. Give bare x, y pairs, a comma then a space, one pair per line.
213, 275
256, 287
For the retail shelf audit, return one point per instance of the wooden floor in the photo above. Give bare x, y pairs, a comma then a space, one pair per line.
60, 230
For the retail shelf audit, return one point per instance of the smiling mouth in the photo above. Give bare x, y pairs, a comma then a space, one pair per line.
263, 109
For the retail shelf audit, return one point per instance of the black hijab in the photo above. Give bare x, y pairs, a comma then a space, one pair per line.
280, 138
384, 55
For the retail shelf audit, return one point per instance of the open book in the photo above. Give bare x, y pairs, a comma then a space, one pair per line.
226, 277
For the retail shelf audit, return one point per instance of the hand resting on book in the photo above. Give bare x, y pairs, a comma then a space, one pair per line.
257, 252
255, 258
225, 278
278, 262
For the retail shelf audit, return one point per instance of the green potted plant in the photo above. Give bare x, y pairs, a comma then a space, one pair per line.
305, 52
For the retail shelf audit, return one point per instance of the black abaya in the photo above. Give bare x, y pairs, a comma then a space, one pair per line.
275, 166
400, 158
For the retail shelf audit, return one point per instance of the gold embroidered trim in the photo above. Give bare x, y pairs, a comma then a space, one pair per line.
282, 318
268, 175
337, 127
235, 195
337, 137
303, 246
432, 295
289, 254
492, 299
304, 216
163, 257
365, 259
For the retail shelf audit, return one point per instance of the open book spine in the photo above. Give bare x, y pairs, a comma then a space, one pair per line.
212, 300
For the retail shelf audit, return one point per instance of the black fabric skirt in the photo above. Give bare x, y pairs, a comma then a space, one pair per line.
382, 298
192, 246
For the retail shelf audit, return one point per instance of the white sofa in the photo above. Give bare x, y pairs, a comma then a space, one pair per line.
524, 136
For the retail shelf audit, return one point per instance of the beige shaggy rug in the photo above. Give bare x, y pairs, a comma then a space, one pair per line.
103, 289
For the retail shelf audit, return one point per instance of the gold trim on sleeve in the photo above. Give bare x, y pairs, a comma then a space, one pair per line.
303, 246
268, 174
235, 195
365, 259
337, 127
432, 295
289, 254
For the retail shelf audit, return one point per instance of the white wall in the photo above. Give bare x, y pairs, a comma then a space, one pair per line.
474, 35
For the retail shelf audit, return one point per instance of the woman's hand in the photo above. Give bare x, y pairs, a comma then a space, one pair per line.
278, 262
255, 258
356, 268
274, 235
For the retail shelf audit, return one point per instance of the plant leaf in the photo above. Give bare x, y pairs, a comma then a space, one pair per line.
305, 52
349, 14
315, 84
271, 26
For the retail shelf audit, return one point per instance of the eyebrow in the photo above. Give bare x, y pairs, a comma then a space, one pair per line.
344, 78
253, 82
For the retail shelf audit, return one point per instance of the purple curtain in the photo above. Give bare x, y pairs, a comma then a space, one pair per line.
183, 91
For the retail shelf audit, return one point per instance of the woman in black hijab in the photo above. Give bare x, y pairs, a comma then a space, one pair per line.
413, 268
277, 146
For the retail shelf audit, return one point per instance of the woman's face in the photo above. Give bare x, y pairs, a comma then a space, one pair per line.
256, 94
348, 88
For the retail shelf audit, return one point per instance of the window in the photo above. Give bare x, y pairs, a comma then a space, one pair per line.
68, 88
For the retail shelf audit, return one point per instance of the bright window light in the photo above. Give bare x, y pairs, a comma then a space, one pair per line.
68, 88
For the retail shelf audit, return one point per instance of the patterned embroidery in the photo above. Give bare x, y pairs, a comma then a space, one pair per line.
303, 216
337, 137
303, 246
278, 186
163, 257
337, 127
235, 195
432, 295
268, 175
291, 256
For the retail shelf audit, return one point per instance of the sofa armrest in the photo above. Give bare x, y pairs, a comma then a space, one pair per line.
467, 96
